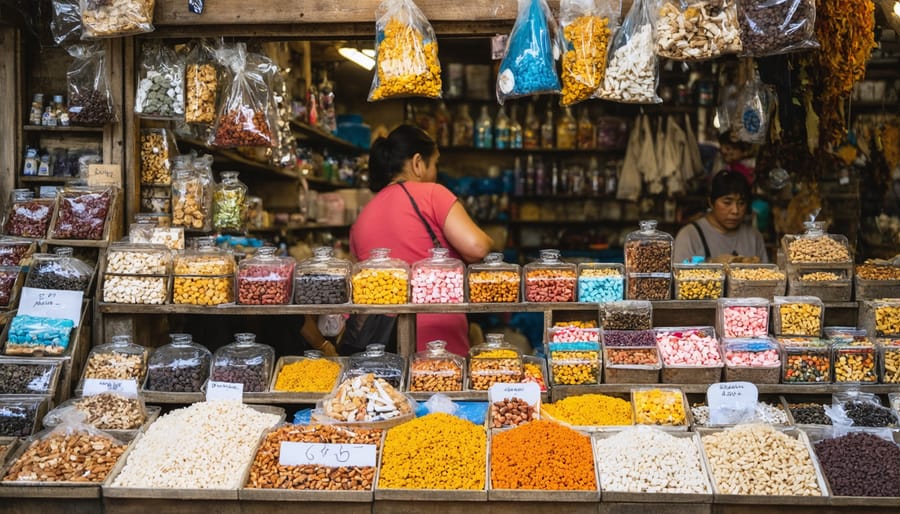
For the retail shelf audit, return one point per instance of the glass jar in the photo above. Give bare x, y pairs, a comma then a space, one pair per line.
627, 315
436, 369
322, 279
204, 276
265, 279
385, 365
742, 317
229, 202
153, 234
549, 279
438, 279
881, 318
244, 362
137, 274
495, 361
648, 250
815, 246
82, 212
855, 362
28, 216
15, 251
380, 279
807, 360
798, 316
600, 282
699, 281
119, 359
494, 281
59, 270
181, 366
190, 208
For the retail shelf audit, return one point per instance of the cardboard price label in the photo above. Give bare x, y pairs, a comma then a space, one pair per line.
104, 175
528, 392
224, 391
731, 402
326, 454
94, 386
51, 303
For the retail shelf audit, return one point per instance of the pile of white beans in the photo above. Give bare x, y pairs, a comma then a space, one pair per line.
205, 446
648, 460
127, 279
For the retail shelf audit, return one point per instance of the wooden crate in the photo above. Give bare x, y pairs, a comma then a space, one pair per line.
112, 227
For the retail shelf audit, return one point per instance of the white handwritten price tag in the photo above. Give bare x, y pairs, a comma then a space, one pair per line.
51, 303
104, 175
330, 455
94, 386
528, 392
731, 402
228, 391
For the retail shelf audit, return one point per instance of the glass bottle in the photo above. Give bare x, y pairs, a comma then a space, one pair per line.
515, 130
529, 175
519, 174
595, 177
501, 130
483, 130
540, 178
463, 127
566, 131
586, 140
228, 202
547, 129
442, 125
531, 134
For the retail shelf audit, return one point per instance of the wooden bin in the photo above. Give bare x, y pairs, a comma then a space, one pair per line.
56, 365
274, 396
591, 428
41, 406
112, 227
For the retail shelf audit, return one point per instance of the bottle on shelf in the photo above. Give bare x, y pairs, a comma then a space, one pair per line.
611, 179
515, 130
37, 109
595, 177
555, 183
529, 175
540, 178
463, 127
576, 180
531, 132
483, 130
442, 125
501, 130
547, 129
566, 130
519, 177
586, 140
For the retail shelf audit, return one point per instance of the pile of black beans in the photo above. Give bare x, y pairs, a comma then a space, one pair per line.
860, 464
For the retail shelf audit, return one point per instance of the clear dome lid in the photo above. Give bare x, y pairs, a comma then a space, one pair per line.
384, 365
436, 369
380, 279
244, 361
205, 259
648, 250
120, 359
493, 262
380, 259
143, 259
437, 351
180, 366
550, 259
323, 261
494, 347
265, 265
59, 270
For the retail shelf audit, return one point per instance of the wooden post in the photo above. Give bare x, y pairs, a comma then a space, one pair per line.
10, 111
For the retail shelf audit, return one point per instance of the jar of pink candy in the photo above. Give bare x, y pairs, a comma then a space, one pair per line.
742, 317
690, 355
438, 279
752, 360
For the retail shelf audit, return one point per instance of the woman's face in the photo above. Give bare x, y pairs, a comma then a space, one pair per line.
729, 211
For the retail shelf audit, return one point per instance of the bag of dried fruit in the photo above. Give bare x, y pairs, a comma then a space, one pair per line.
406, 58
160, 90
586, 27
529, 62
90, 97
695, 29
116, 18
246, 115
201, 83
770, 27
632, 72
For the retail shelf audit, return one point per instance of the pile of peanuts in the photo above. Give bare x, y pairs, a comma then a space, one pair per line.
436, 375
242, 126
265, 284
855, 362
156, 168
203, 280
750, 320
205, 446
380, 286
73, 457
659, 407
189, 206
200, 93
760, 460
109, 411
117, 17
267, 473
493, 287
799, 319
511, 412
878, 272
755, 274
817, 250
887, 319
805, 361
126, 280
648, 460
891, 362
699, 284
632, 357
492, 367
550, 285
115, 366
820, 276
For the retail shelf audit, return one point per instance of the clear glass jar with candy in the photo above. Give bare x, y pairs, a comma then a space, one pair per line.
855, 361
704, 281
742, 317
756, 360
648, 250
889, 361
436, 369
60, 270
493, 280
203, 276
575, 357
120, 359
190, 203
244, 362
322, 279
380, 279
229, 202
438, 279
626, 315
385, 365
137, 274
601, 282
806, 360
495, 361
797, 316
265, 279
28, 216
550, 279
816, 247
181, 366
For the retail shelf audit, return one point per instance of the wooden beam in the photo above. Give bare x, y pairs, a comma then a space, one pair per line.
10, 121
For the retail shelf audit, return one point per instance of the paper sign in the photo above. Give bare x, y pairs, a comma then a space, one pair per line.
229, 391
731, 402
324, 454
51, 303
104, 175
94, 386
528, 391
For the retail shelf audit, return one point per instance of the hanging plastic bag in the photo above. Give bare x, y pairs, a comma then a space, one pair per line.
65, 23
201, 83
244, 116
586, 29
160, 91
632, 73
406, 59
860, 409
752, 121
116, 18
770, 27
90, 97
529, 63
695, 29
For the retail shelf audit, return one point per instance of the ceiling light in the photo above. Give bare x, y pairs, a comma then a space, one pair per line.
897, 8
358, 58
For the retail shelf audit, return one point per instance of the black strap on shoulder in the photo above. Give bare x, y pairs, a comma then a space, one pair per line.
434, 240
702, 238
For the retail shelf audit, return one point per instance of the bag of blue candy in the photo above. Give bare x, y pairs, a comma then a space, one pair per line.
529, 63
35, 335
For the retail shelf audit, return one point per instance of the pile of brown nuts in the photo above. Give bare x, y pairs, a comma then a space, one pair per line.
878, 272
115, 366
819, 249
243, 127
511, 412
200, 93
77, 457
435, 375
156, 168
109, 411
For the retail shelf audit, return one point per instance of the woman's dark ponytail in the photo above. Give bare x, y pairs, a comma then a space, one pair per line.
388, 155
379, 165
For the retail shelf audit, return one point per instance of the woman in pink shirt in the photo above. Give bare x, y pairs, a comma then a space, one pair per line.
403, 171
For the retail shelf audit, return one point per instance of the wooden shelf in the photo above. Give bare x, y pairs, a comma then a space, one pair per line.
70, 128
324, 138
299, 227
76, 243
537, 151
232, 158
45, 180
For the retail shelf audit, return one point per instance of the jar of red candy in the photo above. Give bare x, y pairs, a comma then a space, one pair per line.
549, 279
265, 279
742, 317
438, 279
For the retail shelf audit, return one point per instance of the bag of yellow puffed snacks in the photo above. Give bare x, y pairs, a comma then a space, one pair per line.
406, 53
586, 27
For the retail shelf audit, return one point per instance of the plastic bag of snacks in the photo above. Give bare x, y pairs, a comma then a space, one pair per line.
407, 53
201, 83
632, 73
158, 147
586, 28
696, 29
529, 63
33, 335
160, 91
115, 18
752, 121
777, 26
81, 213
105, 411
28, 216
245, 117
90, 97
65, 23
